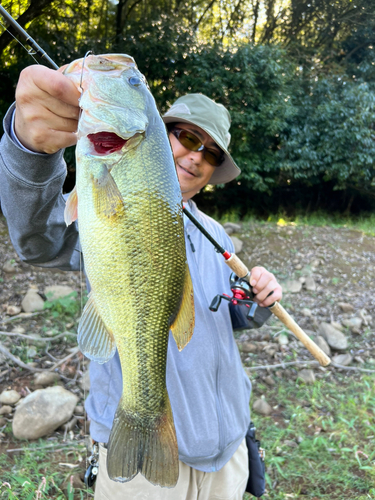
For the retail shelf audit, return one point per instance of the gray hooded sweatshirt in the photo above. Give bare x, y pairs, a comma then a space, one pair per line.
207, 386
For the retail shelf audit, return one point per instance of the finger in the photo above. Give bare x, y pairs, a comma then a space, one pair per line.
255, 274
270, 299
62, 68
60, 140
52, 82
45, 134
38, 99
263, 281
265, 291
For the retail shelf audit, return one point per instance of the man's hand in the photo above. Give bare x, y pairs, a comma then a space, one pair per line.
264, 283
47, 110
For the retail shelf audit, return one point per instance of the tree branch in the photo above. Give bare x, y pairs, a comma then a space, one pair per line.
35, 9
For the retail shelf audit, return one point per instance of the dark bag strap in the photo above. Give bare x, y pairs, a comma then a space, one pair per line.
256, 484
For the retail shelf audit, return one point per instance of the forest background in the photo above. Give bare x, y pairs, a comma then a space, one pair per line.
298, 77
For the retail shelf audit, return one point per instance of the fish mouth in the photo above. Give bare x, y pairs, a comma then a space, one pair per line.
105, 143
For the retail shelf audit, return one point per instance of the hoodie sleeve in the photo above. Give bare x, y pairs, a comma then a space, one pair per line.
31, 200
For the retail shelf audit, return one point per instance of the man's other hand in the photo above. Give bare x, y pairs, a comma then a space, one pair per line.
47, 110
265, 286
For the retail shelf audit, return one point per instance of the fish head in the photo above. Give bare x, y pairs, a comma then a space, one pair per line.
115, 103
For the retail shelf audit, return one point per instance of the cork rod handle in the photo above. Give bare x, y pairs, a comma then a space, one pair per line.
242, 271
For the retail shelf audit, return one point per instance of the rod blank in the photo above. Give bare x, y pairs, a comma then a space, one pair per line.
38, 49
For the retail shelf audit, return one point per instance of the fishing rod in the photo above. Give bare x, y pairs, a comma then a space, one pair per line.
242, 272
242, 294
38, 49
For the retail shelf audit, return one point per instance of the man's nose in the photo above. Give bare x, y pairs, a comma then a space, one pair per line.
196, 156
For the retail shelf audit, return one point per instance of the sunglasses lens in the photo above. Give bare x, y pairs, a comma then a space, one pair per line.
213, 158
189, 140
193, 143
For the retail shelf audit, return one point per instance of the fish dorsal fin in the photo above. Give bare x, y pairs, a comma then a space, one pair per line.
107, 197
183, 324
71, 207
94, 339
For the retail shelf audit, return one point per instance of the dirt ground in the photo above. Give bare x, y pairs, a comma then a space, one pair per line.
340, 261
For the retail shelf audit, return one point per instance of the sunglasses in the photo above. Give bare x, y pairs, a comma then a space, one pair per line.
193, 143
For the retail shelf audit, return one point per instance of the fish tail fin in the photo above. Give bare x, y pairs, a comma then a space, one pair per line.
148, 447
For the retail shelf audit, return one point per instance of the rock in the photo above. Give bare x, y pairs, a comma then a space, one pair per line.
249, 347
337, 325
367, 318
46, 379
2, 421
262, 407
334, 338
310, 284
238, 244
343, 359
32, 301
5, 410
79, 410
18, 329
283, 339
290, 443
269, 380
320, 342
42, 412
10, 267
236, 227
346, 307
85, 381
306, 312
292, 286
353, 323
298, 267
54, 292
13, 310
228, 230
307, 376
9, 397
315, 263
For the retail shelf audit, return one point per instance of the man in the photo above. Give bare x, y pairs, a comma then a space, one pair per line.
208, 388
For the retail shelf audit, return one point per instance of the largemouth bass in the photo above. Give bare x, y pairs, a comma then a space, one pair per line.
128, 204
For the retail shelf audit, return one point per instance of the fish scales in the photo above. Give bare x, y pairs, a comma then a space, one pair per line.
128, 204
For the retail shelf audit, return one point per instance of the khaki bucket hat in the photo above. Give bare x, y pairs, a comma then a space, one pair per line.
214, 119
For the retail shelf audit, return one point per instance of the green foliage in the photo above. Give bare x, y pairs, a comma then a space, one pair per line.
34, 475
334, 458
330, 136
299, 83
64, 306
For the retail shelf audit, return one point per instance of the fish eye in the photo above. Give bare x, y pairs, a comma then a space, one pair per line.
135, 81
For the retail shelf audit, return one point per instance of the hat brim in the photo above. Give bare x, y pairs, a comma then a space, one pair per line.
228, 170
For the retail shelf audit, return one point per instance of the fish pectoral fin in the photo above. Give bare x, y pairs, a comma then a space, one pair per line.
183, 324
143, 444
94, 339
71, 207
108, 200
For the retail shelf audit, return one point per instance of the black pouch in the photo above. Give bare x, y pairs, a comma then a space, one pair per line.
256, 484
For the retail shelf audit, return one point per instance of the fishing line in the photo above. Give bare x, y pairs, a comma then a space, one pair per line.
22, 45
84, 386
